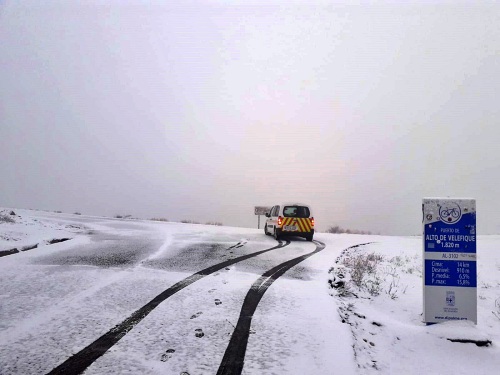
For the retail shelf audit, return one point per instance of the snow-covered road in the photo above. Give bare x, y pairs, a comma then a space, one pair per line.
145, 297
129, 297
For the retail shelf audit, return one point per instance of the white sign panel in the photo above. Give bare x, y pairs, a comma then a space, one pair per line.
449, 259
261, 210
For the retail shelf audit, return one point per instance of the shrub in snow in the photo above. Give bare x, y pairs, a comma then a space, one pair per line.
189, 222
497, 306
123, 216
363, 271
6, 219
361, 274
338, 280
338, 229
213, 223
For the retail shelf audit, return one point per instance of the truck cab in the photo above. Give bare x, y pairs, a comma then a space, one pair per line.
290, 219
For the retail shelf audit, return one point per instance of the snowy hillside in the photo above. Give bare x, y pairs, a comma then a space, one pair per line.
354, 307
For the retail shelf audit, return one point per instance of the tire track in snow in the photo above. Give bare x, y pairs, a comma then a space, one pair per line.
26, 326
234, 357
80, 361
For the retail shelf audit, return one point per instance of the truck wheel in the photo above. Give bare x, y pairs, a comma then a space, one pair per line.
309, 238
265, 230
276, 235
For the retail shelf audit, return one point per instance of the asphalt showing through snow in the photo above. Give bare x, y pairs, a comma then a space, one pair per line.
234, 357
80, 361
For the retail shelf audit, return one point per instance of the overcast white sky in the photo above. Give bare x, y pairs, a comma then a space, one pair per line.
203, 110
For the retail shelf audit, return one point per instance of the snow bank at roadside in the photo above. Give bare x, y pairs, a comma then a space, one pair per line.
379, 289
22, 230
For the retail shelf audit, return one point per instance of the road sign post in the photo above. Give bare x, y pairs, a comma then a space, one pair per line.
261, 210
449, 259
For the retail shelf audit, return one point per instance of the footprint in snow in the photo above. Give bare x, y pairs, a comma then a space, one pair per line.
198, 332
194, 316
167, 355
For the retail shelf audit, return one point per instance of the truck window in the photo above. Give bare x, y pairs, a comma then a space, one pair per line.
296, 211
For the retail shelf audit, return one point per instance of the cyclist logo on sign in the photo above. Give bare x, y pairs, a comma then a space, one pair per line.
450, 213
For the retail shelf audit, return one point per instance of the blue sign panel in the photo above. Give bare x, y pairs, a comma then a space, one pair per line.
459, 236
450, 273
449, 241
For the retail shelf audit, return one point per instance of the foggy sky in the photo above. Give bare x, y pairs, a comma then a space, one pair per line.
203, 110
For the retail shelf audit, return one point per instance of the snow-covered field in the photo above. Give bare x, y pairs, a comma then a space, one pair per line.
60, 296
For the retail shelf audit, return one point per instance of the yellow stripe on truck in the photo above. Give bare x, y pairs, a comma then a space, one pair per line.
303, 224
